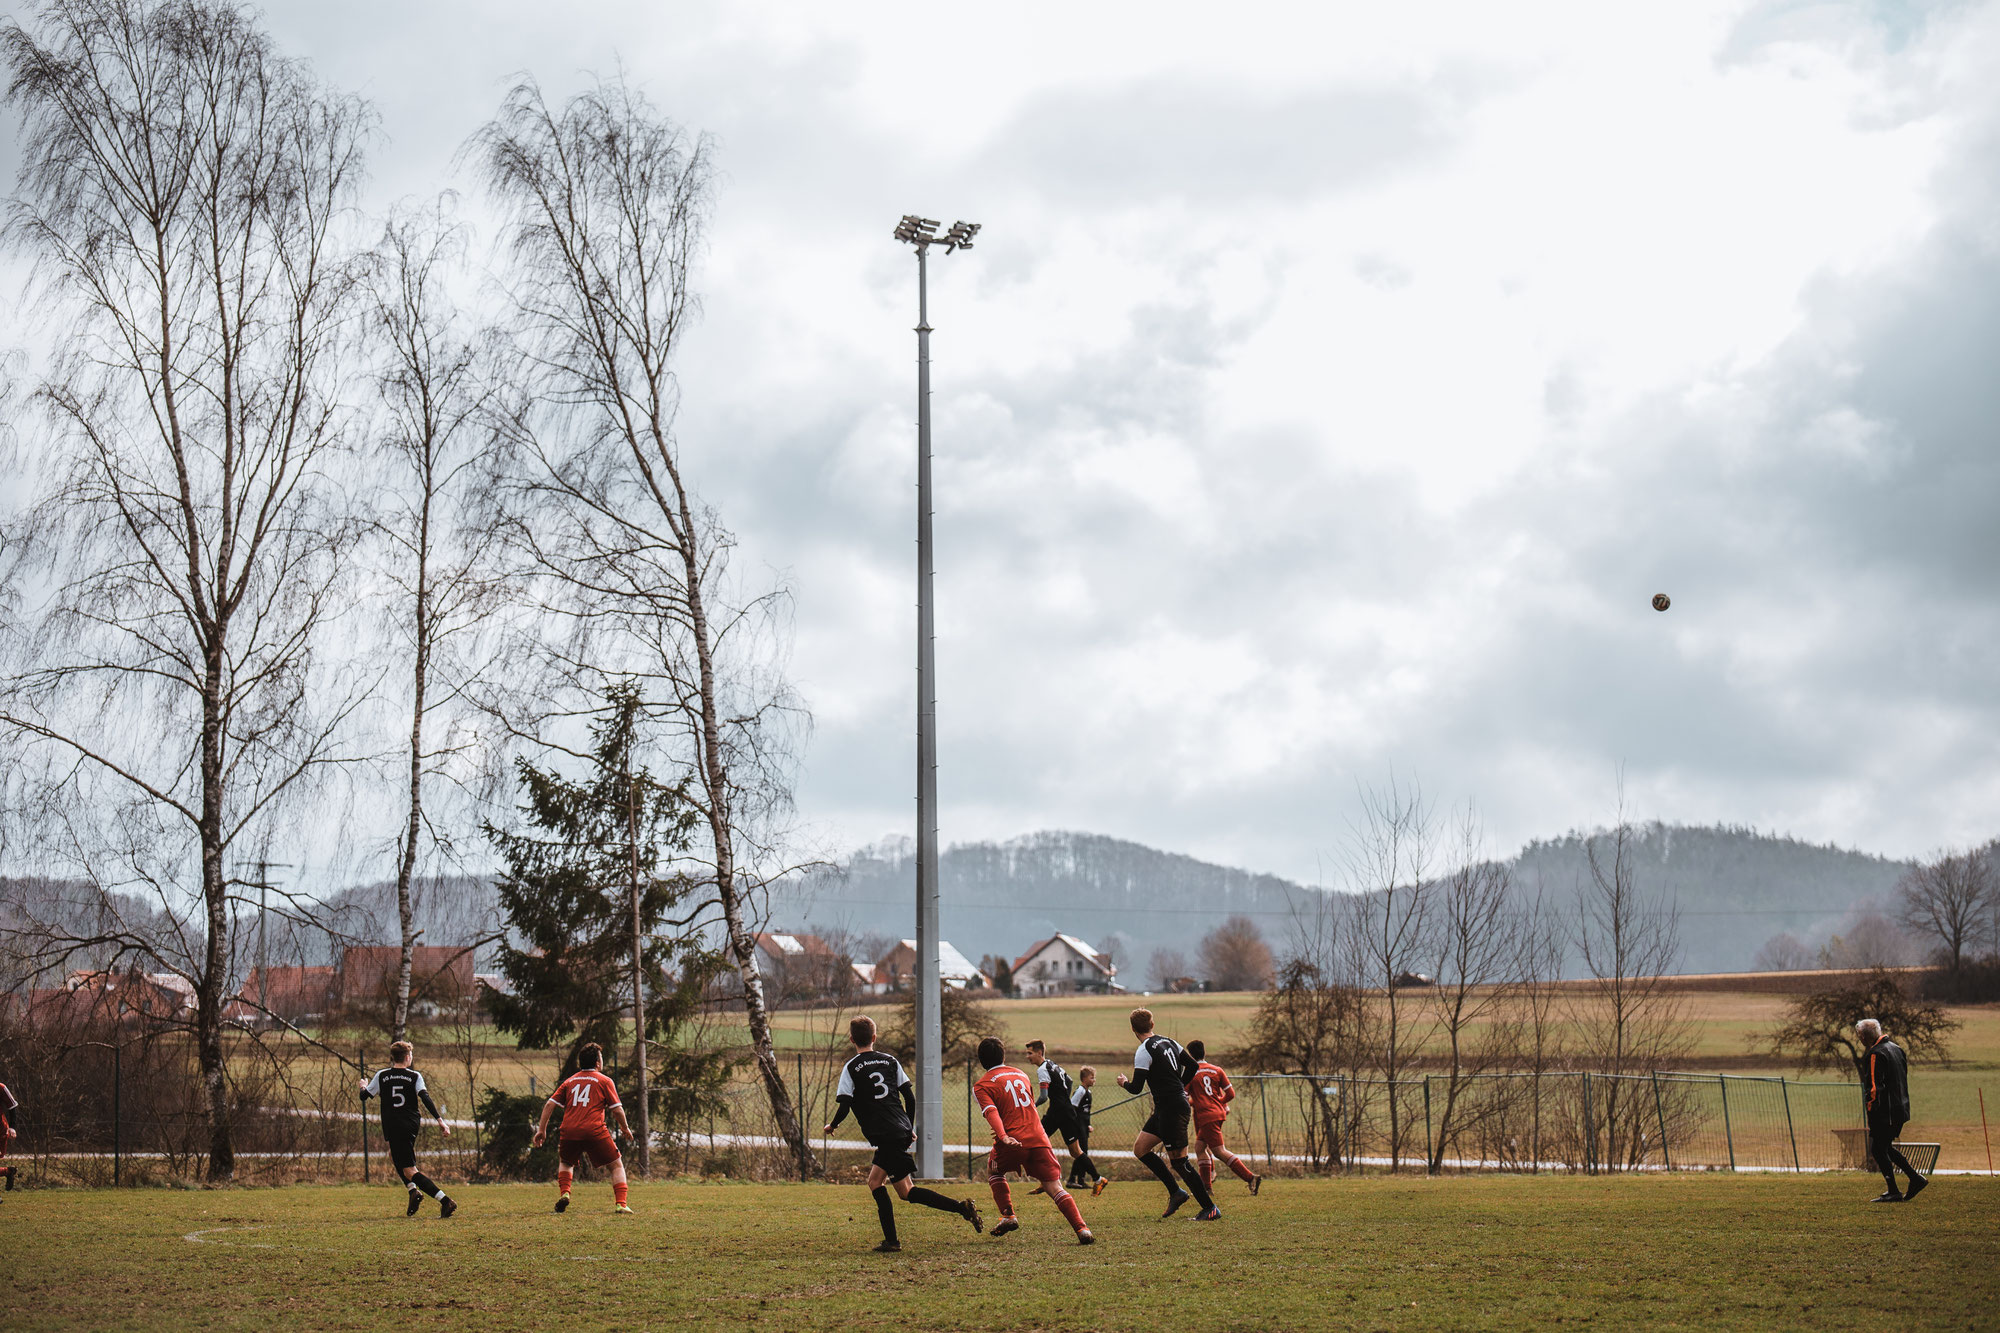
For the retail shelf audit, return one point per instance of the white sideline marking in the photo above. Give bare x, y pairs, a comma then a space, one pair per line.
201, 1238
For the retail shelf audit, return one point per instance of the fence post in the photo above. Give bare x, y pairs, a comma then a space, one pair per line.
1728, 1135
361, 1059
1264, 1105
117, 1117
1789, 1128
968, 1119
1430, 1151
1589, 1132
1535, 1146
1659, 1109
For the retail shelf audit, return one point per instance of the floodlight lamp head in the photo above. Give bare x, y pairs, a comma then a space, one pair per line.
914, 230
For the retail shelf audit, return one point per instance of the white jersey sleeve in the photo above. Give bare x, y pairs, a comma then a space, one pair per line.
1143, 1058
373, 1088
902, 1075
845, 1088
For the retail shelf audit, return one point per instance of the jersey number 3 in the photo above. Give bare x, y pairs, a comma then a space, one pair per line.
881, 1085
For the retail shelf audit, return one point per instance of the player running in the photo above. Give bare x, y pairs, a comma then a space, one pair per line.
1007, 1100
1086, 1078
1211, 1092
585, 1098
1163, 1067
7, 1108
1053, 1086
875, 1088
400, 1089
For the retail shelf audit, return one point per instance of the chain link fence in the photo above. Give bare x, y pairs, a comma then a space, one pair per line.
126, 1118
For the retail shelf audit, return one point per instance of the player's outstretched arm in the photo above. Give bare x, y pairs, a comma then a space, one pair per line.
624, 1130
842, 1105
542, 1129
424, 1096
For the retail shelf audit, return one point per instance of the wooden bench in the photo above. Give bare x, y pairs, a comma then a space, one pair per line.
1854, 1154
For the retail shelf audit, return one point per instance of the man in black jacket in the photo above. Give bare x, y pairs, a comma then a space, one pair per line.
1885, 1077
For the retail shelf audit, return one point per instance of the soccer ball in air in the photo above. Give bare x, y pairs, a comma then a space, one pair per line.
1661, 601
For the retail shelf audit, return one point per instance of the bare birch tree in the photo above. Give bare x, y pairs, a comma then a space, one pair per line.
607, 201
1390, 861
1630, 1022
1478, 947
181, 193
433, 384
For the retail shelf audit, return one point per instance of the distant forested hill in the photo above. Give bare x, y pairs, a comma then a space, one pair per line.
1734, 889
1000, 898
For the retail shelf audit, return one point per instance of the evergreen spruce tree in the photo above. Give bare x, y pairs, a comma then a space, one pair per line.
592, 861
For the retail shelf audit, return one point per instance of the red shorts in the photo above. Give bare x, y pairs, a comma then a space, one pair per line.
1037, 1160
603, 1149
1208, 1133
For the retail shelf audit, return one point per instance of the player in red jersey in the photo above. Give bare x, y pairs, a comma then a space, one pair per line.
1006, 1098
7, 1108
585, 1098
1211, 1092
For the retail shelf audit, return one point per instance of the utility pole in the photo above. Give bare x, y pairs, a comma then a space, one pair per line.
921, 232
264, 869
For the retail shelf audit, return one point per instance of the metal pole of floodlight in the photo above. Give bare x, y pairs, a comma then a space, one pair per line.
922, 233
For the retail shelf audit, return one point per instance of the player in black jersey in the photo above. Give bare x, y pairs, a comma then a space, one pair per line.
1163, 1068
1086, 1077
875, 1088
401, 1091
1054, 1088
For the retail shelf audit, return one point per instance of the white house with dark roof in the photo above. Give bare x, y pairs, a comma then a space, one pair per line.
1062, 964
898, 968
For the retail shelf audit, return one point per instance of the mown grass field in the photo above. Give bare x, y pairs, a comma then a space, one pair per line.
1370, 1253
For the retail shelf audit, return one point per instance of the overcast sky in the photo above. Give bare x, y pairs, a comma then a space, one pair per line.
1329, 392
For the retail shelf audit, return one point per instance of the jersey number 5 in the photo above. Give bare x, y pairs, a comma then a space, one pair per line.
396, 1095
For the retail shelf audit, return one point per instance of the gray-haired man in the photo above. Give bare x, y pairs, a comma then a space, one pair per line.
1885, 1076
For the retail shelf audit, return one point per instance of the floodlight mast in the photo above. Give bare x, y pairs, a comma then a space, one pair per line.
922, 233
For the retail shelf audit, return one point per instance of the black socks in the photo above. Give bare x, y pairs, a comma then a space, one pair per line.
424, 1184
886, 1211
930, 1198
1159, 1168
1193, 1179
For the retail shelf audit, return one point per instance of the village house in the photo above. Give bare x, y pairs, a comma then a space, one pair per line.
898, 968
1063, 965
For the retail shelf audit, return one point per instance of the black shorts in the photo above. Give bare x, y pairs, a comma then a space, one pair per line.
1054, 1125
403, 1151
1169, 1127
896, 1163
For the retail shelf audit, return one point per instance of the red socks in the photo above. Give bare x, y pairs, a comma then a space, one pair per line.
618, 1191
563, 1177
1243, 1173
1069, 1210
1003, 1198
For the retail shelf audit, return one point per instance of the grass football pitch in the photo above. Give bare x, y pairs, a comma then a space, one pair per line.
1369, 1252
